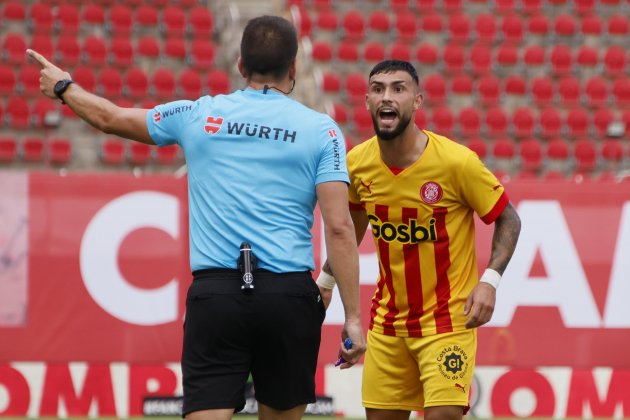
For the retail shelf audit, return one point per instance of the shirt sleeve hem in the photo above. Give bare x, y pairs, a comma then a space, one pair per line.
498, 208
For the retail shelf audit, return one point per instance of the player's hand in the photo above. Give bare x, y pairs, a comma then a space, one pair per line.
480, 305
354, 331
50, 74
326, 295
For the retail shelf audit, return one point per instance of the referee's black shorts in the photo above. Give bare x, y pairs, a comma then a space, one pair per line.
273, 332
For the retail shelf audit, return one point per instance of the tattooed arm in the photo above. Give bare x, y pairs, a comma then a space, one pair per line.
480, 303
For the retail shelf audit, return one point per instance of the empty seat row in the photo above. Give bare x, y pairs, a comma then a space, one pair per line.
33, 149
118, 18
116, 152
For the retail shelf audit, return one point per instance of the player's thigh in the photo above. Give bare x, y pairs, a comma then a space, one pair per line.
447, 362
378, 414
444, 413
391, 379
286, 349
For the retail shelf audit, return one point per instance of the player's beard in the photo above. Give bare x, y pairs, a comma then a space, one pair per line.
391, 134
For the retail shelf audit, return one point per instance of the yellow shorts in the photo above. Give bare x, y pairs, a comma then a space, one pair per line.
410, 373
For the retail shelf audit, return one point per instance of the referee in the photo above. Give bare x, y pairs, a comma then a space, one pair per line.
258, 162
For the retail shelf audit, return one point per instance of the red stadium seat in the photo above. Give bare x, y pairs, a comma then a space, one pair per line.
121, 52
139, 153
400, 51
489, 90
512, 28
92, 14
443, 120
356, 87
14, 12
602, 118
538, 26
202, 54
496, 122
353, 24
596, 89
374, 52
453, 57
190, 84
113, 151
362, 121
420, 118
348, 52
515, 85
506, 57
338, 113
8, 149
59, 151
13, 47
42, 43
587, 56
148, 47
7, 81
480, 58
201, 22
561, 58
327, 21
167, 155
163, 83
405, 25
458, 28
146, 17
109, 82
577, 121
583, 7
136, 83
330, 83
461, 84
68, 50
94, 51
503, 7
41, 18
542, 89
28, 80
503, 148
173, 21
425, 6
431, 24
303, 21
523, 121
592, 26
558, 149
120, 20
534, 58
621, 92
585, 156
569, 91
550, 122
33, 149
44, 111
615, 60
17, 112
612, 152
565, 26
531, 155
478, 146
399, 5
85, 77
485, 28
531, 6
618, 28
435, 88
426, 54
218, 82
322, 51
469, 121
378, 22
175, 48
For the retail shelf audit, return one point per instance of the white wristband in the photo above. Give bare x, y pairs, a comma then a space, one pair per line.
325, 280
491, 277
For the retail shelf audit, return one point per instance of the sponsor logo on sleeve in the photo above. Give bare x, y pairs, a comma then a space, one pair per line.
213, 124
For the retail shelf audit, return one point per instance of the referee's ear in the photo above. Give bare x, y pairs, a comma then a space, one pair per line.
241, 67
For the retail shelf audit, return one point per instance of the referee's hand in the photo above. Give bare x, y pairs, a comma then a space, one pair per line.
50, 74
354, 331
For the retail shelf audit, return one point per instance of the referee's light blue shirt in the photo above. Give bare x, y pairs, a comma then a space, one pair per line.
254, 160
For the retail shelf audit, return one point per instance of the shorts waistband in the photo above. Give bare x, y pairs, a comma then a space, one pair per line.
225, 280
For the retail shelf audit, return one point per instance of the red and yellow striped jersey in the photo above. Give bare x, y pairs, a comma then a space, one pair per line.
423, 228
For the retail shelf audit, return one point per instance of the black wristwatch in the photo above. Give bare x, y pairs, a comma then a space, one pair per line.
61, 87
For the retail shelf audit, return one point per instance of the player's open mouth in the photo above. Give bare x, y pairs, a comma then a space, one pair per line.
387, 114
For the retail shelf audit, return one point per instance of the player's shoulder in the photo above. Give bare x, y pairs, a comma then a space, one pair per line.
363, 153
448, 146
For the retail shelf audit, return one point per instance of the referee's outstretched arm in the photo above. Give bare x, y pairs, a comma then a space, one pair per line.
100, 113
343, 257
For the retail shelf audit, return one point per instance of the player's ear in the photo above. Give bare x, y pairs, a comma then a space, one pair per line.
292, 70
241, 68
417, 103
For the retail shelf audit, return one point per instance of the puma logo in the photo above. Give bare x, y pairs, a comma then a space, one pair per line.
367, 186
462, 387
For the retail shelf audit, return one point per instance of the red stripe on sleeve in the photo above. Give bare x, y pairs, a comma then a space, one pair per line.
356, 206
498, 208
442, 263
382, 212
413, 278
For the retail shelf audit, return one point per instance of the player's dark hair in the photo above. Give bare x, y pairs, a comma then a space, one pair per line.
269, 46
390, 66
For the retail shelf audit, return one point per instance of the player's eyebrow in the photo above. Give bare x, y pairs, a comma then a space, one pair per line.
393, 83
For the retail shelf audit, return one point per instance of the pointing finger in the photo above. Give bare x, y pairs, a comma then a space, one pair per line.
41, 60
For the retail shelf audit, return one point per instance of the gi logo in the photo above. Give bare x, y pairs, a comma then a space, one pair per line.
213, 125
453, 363
431, 192
157, 117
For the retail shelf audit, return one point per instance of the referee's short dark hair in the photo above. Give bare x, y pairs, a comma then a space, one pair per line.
390, 66
269, 46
